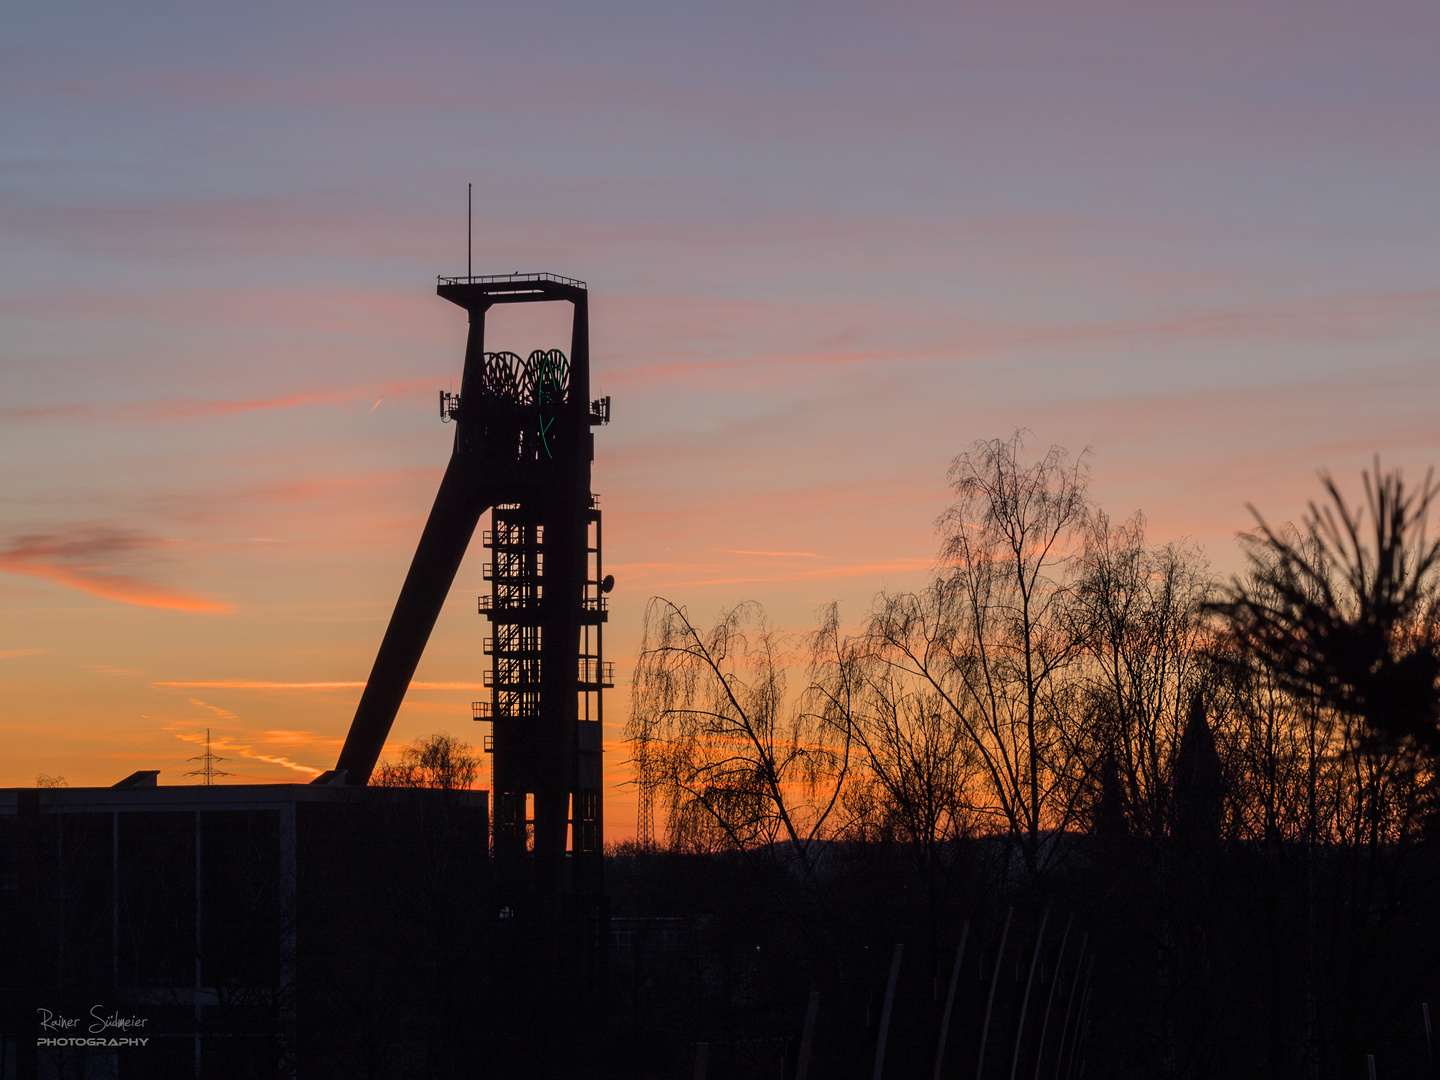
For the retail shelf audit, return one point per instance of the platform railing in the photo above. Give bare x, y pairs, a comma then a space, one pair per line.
488, 279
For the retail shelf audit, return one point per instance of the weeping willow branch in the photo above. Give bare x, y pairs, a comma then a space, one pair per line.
715, 737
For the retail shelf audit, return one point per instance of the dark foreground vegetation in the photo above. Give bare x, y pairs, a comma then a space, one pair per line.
1227, 959
1185, 828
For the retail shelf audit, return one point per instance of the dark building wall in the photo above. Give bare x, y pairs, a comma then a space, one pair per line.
394, 923
157, 901
244, 909
243, 924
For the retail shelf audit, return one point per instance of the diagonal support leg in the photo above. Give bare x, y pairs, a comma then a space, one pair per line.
458, 506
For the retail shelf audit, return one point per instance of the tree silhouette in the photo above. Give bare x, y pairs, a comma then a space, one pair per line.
734, 763
1006, 550
1138, 609
1350, 620
434, 761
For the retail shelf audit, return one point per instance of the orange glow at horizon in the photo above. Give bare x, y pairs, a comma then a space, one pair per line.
1200, 240
250, 684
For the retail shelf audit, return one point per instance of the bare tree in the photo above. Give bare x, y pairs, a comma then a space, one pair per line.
911, 663
919, 760
916, 762
1140, 611
1006, 592
435, 761
735, 762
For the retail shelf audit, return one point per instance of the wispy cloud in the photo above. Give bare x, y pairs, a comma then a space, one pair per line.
891, 566
10, 654
1354, 317
773, 554
251, 684
198, 408
220, 714
224, 745
254, 684
86, 558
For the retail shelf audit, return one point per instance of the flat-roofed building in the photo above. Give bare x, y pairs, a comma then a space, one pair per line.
240, 930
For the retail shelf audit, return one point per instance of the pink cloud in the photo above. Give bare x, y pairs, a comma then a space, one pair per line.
1350, 317
81, 559
193, 408
891, 566
775, 554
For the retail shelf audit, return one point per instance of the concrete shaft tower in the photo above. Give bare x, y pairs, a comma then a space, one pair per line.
523, 449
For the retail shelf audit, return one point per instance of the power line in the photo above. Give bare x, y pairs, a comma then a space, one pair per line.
207, 771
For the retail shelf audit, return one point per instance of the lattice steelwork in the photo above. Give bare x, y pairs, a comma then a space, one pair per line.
523, 448
516, 572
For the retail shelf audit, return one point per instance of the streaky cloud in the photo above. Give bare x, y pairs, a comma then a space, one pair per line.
197, 408
78, 559
258, 684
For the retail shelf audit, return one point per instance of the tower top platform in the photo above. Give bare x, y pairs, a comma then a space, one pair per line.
480, 291
520, 279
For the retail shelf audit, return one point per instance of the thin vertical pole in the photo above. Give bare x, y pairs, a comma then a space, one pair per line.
702, 1060
1370, 1065
1050, 998
470, 231
1081, 1022
802, 1067
885, 1014
288, 990
1429, 1040
1025, 1002
115, 901
990, 1004
950, 999
1070, 1004
198, 944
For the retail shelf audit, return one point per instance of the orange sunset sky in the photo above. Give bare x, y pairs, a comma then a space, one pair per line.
828, 247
